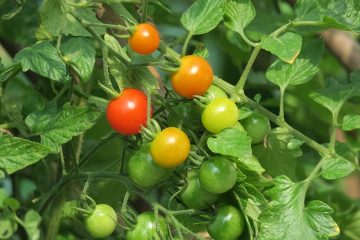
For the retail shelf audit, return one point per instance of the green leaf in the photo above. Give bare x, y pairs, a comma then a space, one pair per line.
55, 19
80, 54
286, 217
203, 16
308, 10
231, 142
17, 153
32, 221
58, 127
287, 47
238, 14
334, 168
351, 122
251, 164
121, 11
275, 156
302, 70
43, 59
336, 94
7, 227
9, 72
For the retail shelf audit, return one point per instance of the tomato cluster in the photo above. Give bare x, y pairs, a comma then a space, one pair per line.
102, 221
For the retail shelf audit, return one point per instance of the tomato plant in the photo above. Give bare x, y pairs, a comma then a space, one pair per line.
102, 221
221, 113
217, 175
228, 224
169, 141
194, 77
128, 112
222, 119
145, 39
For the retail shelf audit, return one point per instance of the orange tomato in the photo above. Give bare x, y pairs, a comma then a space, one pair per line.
145, 39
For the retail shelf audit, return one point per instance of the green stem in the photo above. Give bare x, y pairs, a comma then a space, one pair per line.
186, 43
281, 112
333, 129
113, 26
105, 52
241, 83
8, 125
248, 41
306, 23
144, 7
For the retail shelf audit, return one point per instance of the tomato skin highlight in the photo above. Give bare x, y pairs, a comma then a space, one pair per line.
128, 112
193, 78
221, 113
194, 195
228, 224
145, 228
145, 39
102, 222
170, 147
144, 171
217, 175
257, 127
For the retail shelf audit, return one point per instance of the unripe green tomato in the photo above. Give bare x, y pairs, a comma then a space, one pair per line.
214, 92
194, 195
143, 170
102, 222
221, 113
145, 228
257, 127
228, 224
217, 175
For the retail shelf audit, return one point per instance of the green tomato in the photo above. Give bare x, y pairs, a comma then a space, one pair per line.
227, 225
145, 228
217, 175
194, 195
143, 170
257, 127
214, 92
102, 222
221, 113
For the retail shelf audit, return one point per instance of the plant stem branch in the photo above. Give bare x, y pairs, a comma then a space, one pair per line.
281, 112
186, 43
113, 26
144, 8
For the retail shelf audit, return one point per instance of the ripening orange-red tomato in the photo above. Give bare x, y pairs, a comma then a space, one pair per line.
145, 39
193, 78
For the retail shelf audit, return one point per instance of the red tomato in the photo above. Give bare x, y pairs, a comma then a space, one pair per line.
145, 39
193, 78
128, 112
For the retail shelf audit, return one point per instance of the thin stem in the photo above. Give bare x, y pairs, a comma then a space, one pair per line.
60, 93
241, 83
62, 160
306, 23
113, 26
281, 112
333, 129
186, 43
105, 52
251, 233
248, 41
144, 7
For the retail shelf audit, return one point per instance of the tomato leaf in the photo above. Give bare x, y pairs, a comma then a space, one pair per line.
308, 10
56, 20
17, 153
351, 122
203, 16
32, 221
286, 217
231, 142
302, 70
238, 14
275, 156
9, 72
287, 47
43, 59
336, 94
80, 54
58, 127
334, 168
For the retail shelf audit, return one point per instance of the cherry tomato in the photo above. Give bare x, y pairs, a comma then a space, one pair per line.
127, 113
102, 222
144, 171
194, 195
214, 92
257, 127
145, 39
217, 175
145, 228
170, 147
228, 224
221, 113
193, 78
